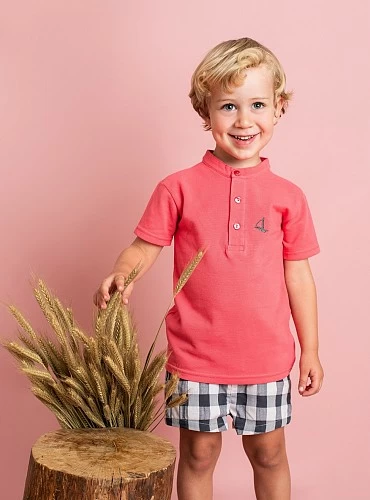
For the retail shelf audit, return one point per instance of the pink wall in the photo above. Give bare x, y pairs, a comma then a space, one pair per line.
94, 111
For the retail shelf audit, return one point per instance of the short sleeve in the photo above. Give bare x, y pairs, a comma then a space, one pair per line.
299, 237
159, 221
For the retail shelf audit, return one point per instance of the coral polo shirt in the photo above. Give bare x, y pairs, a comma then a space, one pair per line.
230, 322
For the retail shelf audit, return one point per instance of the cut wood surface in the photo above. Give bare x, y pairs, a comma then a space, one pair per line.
106, 464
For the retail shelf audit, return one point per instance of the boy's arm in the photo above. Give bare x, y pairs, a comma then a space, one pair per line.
139, 251
302, 297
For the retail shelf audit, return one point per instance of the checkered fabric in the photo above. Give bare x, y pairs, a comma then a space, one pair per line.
254, 408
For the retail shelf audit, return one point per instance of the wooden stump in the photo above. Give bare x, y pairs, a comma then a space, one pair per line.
100, 464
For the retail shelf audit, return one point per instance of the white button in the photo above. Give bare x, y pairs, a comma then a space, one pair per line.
236, 226
237, 199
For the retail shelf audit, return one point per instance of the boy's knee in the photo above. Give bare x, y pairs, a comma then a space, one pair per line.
200, 450
266, 453
268, 458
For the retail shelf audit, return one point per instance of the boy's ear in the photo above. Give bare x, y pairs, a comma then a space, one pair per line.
207, 121
278, 108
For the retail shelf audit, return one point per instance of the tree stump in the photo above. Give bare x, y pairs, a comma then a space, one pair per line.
100, 464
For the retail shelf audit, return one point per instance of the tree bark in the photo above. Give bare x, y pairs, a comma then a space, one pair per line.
100, 464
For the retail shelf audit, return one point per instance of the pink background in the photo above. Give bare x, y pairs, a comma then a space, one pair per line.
94, 111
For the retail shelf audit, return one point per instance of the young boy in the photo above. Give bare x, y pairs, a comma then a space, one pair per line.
228, 332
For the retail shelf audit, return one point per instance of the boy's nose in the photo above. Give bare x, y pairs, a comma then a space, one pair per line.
243, 120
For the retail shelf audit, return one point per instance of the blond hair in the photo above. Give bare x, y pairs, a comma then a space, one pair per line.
224, 66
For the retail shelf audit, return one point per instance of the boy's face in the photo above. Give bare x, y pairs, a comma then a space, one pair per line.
243, 121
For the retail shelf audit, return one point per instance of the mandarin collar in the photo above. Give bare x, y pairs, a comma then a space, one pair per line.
222, 168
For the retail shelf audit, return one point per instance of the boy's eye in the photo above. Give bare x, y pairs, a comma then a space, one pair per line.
229, 106
258, 105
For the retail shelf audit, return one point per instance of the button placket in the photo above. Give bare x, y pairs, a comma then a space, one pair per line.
237, 211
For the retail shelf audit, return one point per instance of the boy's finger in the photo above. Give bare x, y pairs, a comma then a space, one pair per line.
303, 382
120, 282
102, 295
98, 299
316, 382
100, 302
309, 391
104, 289
314, 386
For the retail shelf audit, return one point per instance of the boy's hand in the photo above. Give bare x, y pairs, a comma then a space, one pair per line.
115, 281
310, 367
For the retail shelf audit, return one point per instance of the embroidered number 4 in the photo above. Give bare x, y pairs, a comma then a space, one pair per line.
260, 225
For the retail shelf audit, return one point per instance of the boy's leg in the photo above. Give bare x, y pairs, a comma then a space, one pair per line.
199, 452
267, 455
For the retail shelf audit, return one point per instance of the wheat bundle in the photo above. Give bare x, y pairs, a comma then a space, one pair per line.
95, 381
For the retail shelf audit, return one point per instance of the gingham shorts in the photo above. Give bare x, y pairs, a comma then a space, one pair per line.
254, 408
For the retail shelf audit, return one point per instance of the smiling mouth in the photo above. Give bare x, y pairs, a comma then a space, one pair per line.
243, 137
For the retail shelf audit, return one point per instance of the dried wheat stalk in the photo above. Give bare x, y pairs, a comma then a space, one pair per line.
95, 381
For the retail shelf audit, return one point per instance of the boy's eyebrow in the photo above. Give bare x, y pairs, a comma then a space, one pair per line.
251, 99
